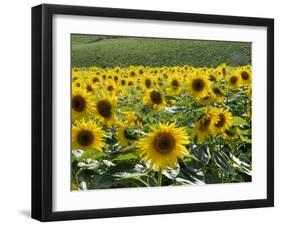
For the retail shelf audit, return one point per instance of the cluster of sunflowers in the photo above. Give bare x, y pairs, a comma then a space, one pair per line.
131, 126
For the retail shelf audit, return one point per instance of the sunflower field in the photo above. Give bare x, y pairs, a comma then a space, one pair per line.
147, 126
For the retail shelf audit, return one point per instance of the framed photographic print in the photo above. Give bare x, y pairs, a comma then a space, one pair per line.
146, 112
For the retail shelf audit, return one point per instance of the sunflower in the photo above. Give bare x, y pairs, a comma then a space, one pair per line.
231, 133
249, 92
132, 72
110, 86
174, 84
147, 82
125, 135
81, 103
123, 82
199, 85
79, 82
95, 79
224, 120
234, 81
117, 70
163, 146
89, 86
206, 100
105, 107
131, 119
218, 93
130, 82
204, 126
223, 69
246, 76
154, 99
87, 136
75, 75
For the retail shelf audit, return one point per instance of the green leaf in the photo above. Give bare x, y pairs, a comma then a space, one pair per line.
245, 132
222, 162
92, 154
238, 121
245, 139
125, 157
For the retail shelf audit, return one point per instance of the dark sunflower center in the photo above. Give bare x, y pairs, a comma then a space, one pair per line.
216, 90
230, 133
221, 121
245, 75
85, 137
89, 88
164, 143
78, 103
223, 71
175, 84
132, 73
156, 97
123, 82
206, 98
130, 135
147, 83
204, 124
130, 83
104, 108
198, 85
110, 88
115, 78
212, 78
95, 80
233, 80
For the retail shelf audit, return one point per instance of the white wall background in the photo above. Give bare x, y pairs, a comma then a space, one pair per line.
15, 105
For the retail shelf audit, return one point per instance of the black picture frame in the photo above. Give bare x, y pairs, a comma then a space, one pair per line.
42, 107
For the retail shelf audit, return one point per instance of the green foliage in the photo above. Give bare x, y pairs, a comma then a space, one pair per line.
110, 51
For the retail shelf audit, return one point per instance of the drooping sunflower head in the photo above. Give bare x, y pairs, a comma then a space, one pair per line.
231, 133
105, 108
203, 127
131, 119
163, 146
224, 120
126, 135
81, 103
198, 85
87, 136
206, 100
218, 93
155, 99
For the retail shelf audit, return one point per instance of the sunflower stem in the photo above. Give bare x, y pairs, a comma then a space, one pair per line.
159, 182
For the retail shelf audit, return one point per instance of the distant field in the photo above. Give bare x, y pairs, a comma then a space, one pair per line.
110, 51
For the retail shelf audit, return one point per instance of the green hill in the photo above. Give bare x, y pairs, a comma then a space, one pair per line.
111, 51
